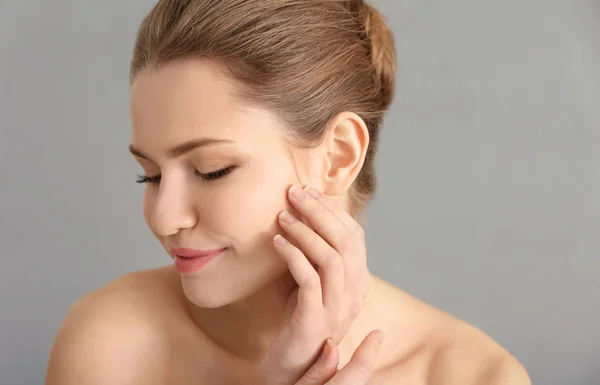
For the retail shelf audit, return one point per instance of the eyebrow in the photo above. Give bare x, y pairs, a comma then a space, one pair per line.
183, 148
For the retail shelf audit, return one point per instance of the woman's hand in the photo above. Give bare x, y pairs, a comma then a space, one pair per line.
329, 265
357, 372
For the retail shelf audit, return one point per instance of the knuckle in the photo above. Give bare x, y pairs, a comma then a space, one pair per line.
332, 260
296, 254
347, 243
304, 237
319, 209
311, 377
311, 281
335, 322
337, 319
363, 371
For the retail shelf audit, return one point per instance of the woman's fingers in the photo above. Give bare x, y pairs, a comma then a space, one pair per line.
357, 372
310, 295
356, 262
324, 368
345, 235
321, 218
329, 295
329, 262
360, 368
334, 206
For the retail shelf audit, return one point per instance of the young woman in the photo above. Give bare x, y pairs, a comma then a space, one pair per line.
256, 124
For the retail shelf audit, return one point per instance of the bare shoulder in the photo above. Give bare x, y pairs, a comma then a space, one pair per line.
467, 355
112, 336
425, 345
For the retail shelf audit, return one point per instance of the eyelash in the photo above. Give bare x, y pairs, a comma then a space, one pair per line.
208, 177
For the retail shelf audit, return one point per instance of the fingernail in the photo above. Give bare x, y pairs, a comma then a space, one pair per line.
281, 241
297, 193
313, 192
327, 348
287, 218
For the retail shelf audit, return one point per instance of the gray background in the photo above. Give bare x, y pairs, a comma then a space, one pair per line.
489, 172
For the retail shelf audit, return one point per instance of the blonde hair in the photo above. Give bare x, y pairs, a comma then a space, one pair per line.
304, 60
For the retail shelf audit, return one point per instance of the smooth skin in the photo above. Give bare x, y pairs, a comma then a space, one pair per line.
331, 288
262, 312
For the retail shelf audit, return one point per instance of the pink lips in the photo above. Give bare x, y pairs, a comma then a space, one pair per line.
190, 260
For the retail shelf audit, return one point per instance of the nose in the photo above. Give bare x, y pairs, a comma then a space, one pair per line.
173, 210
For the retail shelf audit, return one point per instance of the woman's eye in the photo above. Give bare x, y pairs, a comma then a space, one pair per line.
215, 174
155, 179
148, 179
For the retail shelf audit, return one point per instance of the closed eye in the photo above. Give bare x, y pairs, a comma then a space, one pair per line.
211, 176
148, 179
215, 174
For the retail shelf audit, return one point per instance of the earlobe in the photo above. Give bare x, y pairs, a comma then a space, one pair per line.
346, 147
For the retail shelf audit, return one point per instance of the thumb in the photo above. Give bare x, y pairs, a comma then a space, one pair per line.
360, 368
324, 368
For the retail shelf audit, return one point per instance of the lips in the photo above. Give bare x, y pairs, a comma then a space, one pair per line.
192, 253
190, 260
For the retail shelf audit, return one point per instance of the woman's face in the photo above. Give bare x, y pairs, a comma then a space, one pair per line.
237, 210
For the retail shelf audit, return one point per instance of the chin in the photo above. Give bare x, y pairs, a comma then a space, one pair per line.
207, 298
218, 291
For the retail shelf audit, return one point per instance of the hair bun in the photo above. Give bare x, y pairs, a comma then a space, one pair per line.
383, 52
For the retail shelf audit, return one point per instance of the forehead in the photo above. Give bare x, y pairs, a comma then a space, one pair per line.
188, 99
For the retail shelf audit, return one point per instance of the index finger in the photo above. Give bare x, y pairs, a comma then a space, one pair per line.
320, 218
333, 205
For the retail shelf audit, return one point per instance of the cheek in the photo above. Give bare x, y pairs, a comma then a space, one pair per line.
249, 207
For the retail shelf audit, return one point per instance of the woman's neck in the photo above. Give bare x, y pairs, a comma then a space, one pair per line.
247, 327
244, 330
